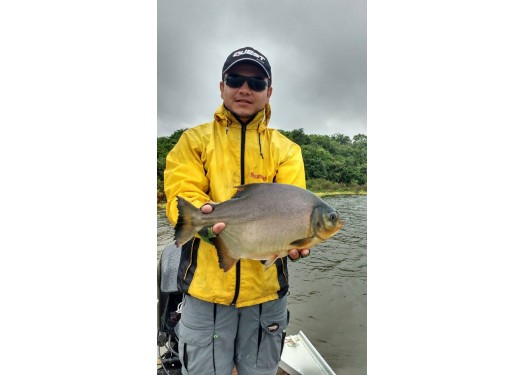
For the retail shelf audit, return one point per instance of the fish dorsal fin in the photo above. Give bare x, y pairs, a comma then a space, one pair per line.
242, 190
247, 186
303, 243
225, 260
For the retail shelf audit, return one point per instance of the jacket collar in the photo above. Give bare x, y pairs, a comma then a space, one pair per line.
259, 122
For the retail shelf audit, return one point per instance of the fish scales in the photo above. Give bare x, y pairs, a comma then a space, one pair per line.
263, 222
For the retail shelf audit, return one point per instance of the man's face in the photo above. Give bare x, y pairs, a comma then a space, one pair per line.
243, 101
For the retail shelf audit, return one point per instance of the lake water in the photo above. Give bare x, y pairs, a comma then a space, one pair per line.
327, 290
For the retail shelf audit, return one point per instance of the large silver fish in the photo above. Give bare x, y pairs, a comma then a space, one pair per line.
264, 221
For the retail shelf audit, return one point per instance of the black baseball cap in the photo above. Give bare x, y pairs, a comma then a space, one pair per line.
248, 55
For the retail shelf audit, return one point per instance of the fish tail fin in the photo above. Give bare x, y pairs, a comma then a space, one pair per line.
184, 229
225, 260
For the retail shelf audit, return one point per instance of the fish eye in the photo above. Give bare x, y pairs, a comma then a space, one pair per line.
332, 216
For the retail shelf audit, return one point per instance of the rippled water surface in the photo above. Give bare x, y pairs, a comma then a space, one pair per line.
327, 290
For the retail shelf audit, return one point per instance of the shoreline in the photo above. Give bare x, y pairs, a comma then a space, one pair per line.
342, 192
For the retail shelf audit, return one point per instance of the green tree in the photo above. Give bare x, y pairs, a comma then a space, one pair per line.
316, 161
164, 145
341, 139
298, 136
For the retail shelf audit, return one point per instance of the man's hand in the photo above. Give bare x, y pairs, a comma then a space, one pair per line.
218, 227
296, 254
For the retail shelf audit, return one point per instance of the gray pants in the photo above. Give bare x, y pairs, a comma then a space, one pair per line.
213, 338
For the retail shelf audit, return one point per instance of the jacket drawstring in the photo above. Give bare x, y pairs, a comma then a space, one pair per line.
260, 147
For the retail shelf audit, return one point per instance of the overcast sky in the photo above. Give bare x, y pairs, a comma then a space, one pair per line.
317, 50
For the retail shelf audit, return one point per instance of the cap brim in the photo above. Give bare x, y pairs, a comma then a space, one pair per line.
248, 60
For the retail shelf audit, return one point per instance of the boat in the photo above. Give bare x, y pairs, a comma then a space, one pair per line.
299, 356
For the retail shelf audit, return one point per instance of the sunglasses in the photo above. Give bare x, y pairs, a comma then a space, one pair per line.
235, 81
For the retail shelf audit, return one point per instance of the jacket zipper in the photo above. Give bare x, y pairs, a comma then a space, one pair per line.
238, 265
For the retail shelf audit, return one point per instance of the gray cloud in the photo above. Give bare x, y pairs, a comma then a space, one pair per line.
317, 50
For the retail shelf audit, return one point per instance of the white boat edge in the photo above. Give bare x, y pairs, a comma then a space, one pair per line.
300, 357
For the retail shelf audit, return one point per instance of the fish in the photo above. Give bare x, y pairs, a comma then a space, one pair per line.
264, 221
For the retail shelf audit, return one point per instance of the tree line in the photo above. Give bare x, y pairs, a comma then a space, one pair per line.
332, 162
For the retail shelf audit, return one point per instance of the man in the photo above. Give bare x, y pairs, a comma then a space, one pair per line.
236, 318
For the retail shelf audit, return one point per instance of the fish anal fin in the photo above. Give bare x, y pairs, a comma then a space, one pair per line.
270, 261
225, 260
303, 243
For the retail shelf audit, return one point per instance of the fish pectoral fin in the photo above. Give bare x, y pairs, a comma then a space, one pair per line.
303, 243
225, 260
270, 261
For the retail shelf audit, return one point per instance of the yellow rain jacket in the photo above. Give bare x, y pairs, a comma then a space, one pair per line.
206, 164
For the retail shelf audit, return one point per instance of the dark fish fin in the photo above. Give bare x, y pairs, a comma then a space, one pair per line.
225, 260
244, 189
303, 243
246, 186
184, 230
270, 261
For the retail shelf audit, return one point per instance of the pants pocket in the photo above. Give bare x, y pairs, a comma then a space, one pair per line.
196, 350
271, 337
